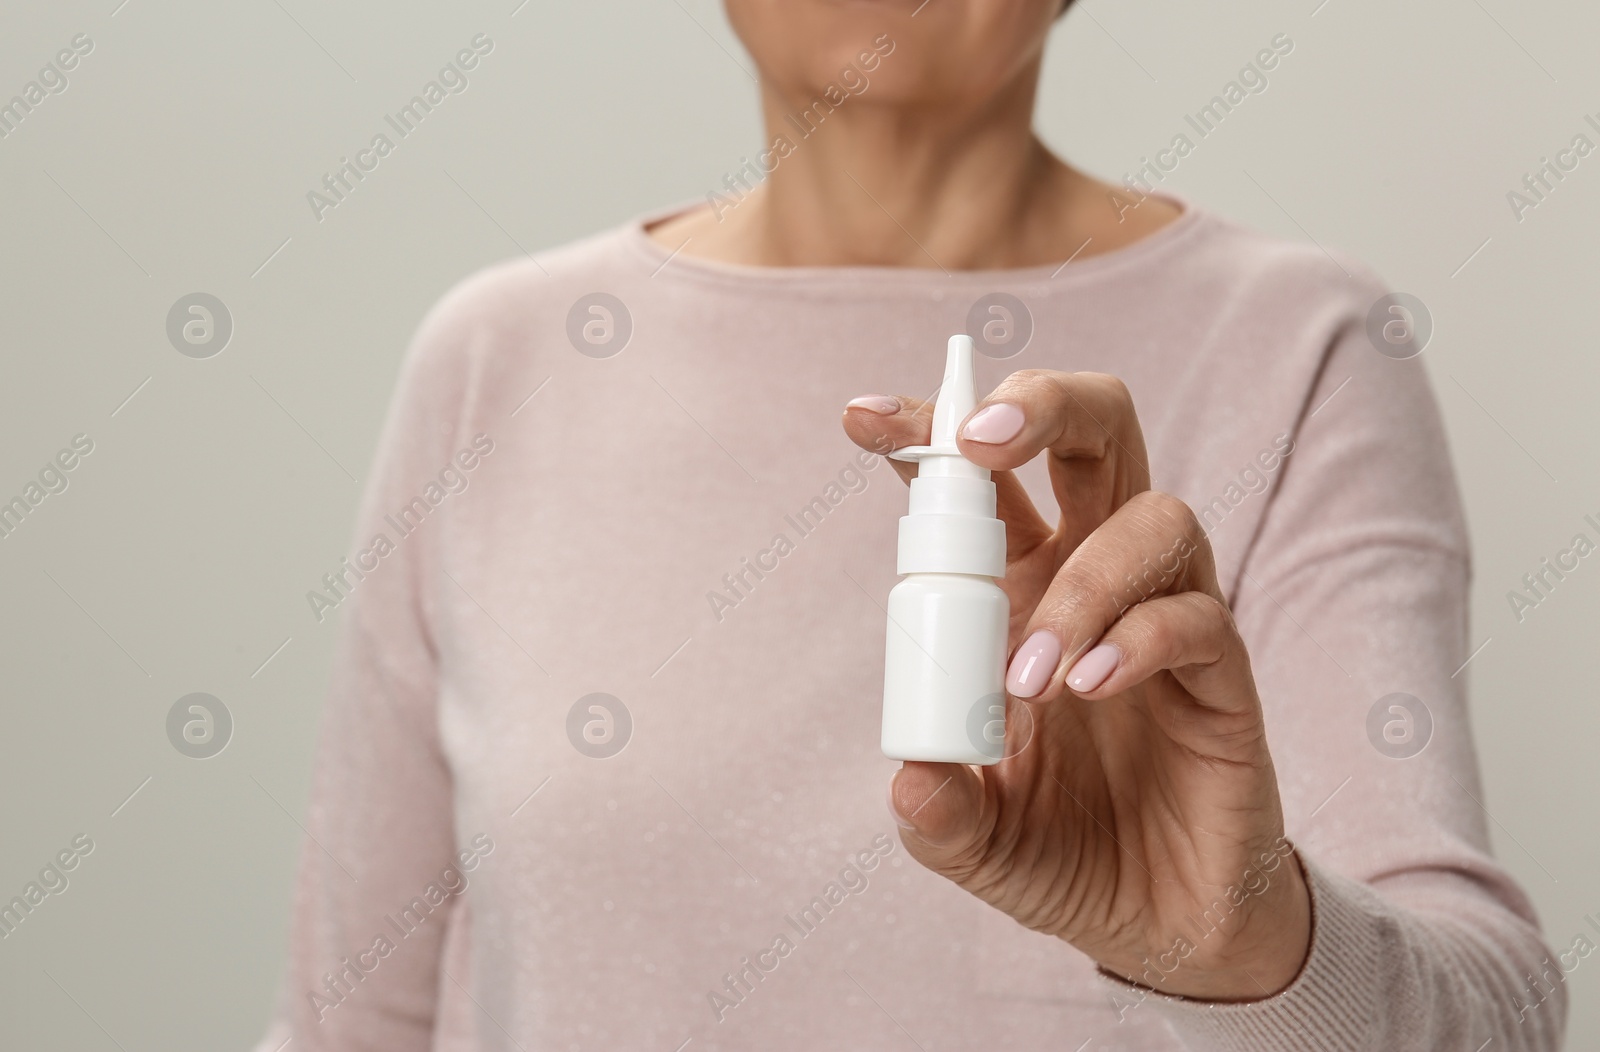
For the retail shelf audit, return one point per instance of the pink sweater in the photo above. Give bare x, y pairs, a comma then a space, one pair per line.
681, 527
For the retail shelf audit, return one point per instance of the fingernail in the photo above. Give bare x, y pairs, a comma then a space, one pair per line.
883, 405
1034, 664
994, 424
1093, 668
894, 808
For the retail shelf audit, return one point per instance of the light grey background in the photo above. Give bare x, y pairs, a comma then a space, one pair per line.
178, 559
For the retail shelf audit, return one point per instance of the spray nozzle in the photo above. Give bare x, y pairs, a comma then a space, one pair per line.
957, 397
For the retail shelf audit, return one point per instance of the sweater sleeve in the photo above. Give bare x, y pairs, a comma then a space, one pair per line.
374, 895
1353, 600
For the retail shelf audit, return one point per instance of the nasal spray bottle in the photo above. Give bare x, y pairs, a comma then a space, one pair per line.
944, 666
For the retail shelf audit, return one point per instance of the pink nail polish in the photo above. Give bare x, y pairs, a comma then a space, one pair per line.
883, 405
1093, 668
994, 424
1033, 664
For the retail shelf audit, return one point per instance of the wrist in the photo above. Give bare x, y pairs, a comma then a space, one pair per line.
1248, 944
1259, 949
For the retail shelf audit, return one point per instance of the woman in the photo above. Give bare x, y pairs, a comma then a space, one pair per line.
610, 510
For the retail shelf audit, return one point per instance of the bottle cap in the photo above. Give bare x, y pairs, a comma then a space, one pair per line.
951, 527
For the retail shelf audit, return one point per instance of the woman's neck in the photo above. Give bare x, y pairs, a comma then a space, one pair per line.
879, 185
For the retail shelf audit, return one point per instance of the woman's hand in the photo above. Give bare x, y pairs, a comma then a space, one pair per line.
1136, 814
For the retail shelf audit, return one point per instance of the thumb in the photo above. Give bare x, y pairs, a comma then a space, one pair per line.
942, 811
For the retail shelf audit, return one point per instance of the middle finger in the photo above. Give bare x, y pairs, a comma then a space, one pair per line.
1151, 546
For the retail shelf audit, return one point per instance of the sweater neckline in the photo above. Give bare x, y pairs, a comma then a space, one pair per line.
752, 277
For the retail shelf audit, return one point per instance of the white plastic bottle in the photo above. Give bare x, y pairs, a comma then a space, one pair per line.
944, 663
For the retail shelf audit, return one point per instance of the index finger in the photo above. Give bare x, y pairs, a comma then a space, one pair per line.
1087, 423
882, 424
